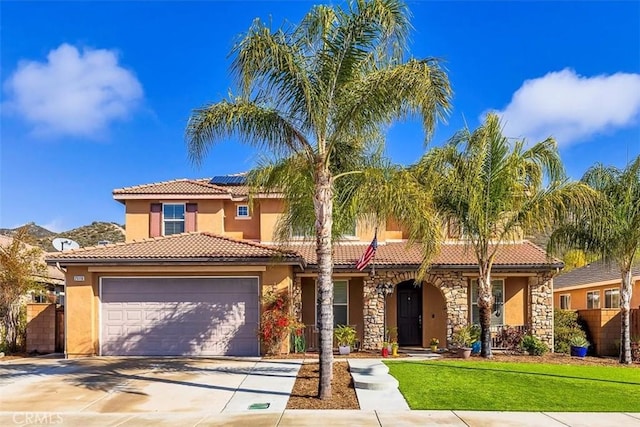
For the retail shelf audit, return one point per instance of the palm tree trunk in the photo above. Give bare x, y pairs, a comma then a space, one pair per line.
323, 205
485, 297
625, 305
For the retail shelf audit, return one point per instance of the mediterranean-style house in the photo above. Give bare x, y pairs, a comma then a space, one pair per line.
197, 258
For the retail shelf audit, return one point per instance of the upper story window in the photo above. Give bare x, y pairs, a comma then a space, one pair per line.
242, 211
497, 310
565, 302
173, 218
612, 298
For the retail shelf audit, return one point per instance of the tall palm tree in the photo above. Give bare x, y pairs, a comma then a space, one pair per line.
496, 189
611, 230
329, 84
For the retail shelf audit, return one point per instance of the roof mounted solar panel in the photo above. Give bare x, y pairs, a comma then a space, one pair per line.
228, 180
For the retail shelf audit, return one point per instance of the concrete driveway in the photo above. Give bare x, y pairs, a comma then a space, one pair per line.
135, 385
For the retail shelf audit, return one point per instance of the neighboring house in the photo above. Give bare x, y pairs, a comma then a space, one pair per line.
52, 281
596, 285
197, 257
594, 292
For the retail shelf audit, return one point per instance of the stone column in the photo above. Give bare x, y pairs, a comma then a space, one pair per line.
296, 298
373, 315
454, 288
541, 307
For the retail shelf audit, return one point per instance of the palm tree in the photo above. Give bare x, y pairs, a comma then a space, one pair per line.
611, 230
496, 189
330, 84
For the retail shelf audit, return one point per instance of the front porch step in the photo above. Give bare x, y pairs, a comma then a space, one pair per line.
371, 375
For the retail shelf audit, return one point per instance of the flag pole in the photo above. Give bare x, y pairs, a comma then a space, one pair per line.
373, 261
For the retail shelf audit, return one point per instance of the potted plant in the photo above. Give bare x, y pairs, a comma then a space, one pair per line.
579, 346
463, 339
434, 344
345, 336
394, 348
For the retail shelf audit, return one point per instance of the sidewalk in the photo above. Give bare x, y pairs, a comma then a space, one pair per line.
304, 418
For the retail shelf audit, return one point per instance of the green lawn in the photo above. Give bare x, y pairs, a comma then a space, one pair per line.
502, 386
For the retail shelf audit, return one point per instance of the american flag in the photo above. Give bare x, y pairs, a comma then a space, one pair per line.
368, 255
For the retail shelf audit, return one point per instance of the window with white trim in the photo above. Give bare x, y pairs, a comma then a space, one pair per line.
340, 303
497, 310
565, 302
173, 218
242, 211
612, 298
593, 299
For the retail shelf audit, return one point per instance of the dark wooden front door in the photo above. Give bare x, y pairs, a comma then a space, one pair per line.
409, 314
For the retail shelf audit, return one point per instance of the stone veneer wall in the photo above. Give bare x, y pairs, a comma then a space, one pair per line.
452, 285
296, 298
541, 307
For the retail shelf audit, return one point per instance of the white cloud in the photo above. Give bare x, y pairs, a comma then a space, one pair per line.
572, 108
72, 92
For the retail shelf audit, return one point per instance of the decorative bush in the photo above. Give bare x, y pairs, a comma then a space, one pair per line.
299, 342
566, 326
578, 341
276, 322
466, 336
345, 335
534, 346
511, 338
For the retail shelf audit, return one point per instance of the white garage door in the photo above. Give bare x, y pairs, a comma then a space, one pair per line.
179, 316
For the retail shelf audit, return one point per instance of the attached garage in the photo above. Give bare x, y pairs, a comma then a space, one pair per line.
179, 316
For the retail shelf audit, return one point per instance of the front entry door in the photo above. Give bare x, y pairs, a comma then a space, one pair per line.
409, 314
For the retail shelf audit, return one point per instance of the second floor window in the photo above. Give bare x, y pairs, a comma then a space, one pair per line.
242, 211
593, 299
565, 301
612, 298
173, 218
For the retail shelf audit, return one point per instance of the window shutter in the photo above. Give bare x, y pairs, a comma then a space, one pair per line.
155, 220
190, 217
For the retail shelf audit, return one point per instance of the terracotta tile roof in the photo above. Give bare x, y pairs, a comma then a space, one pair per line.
596, 272
178, 247
398, 254
176, 186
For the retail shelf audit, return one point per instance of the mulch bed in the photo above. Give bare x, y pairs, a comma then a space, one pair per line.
305, 390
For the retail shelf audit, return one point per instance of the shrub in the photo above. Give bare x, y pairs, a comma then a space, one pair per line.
565, 327
578, 341
276, 322
534, 346
345, 335
511, 338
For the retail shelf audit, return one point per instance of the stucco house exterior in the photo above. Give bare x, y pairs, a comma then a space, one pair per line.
594, 286
594, 292
197, 257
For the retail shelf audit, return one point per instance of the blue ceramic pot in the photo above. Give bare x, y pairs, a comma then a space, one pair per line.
578, 351
476, 347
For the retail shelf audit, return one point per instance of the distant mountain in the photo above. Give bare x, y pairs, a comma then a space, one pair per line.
87, 235
35, 231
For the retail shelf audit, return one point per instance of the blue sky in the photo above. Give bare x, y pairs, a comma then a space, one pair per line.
96, 95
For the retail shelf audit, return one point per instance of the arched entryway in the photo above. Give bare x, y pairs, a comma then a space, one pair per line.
409, 313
